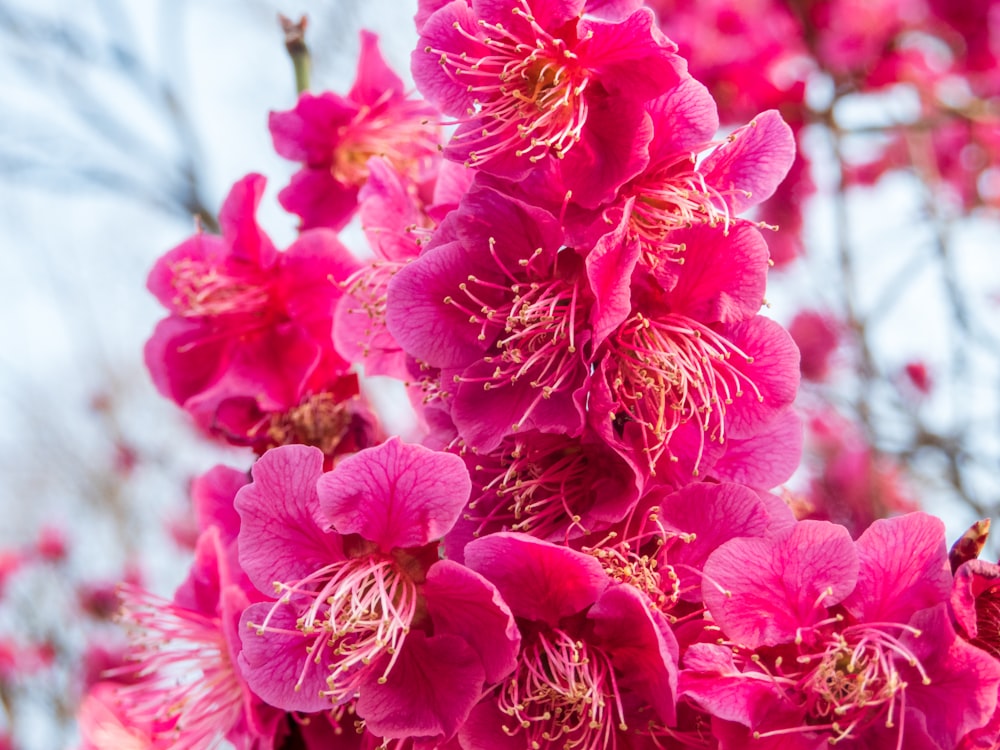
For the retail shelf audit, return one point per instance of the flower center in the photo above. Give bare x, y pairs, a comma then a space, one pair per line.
671, 371
539, 487
674, 197
355, 611
400, 132
855, 679
528, 91
541, 329
847, 681
204, 290
321, 419
565, 692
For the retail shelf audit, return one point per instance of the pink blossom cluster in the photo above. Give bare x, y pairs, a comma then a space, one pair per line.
769, 53
587, 549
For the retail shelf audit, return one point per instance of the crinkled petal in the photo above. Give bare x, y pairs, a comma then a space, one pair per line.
713, 514
904, 568
642, 647
318, 199
281, 537
723, 276
273, 663
767, 458
374, 79
750, 166
396, 494
762, 591
238, 220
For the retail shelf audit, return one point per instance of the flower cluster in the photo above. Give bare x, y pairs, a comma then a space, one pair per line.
587, 551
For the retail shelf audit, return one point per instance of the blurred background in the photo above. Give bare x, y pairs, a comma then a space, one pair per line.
122, 120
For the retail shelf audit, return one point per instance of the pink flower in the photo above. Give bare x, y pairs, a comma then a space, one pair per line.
180, 683
852, 484
366, 608
541, 85
673, 192
248, 336
335, 136
550, 486
662, 546
692, 365
596, 664
828, 640
817, 335
498, 303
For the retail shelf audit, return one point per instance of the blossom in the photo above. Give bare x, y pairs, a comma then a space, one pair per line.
596, 663
180, 681
366, 610
675, 191
551, 486
692, 364
817, 335
396, 229
498, 303
828, 640
535, 83
334, 136
247, 342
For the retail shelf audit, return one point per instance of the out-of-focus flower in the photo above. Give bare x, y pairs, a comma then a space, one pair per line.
334, 136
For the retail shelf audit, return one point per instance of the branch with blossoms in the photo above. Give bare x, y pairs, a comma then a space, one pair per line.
588, 544
895, 97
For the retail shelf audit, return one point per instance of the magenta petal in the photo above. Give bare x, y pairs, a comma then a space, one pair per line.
609, 271
311, 269
485, 419
280, 534
212, 495
238, 221
962, 693
774, 372
714, 514
723, 276
463, 603
429, 691
904, 568
417, 316
685, 119
449, 30
613, 150
274, 663
712, 679
539, 580
753, 163
642, 647
395, 494
485, 729
972, 579
629, 57
761, 591
184, 359
307, 133
767, 458
374, 78
318, 199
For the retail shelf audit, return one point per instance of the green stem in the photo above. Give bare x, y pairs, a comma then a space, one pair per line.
295, 43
